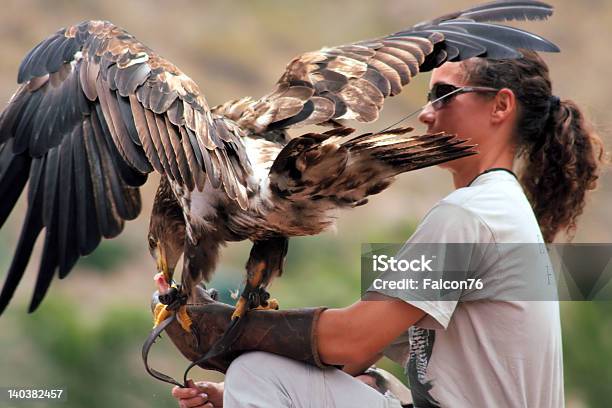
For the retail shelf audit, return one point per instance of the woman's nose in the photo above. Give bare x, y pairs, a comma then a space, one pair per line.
427, 114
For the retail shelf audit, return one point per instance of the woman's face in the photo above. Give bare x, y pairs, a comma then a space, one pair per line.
469, 115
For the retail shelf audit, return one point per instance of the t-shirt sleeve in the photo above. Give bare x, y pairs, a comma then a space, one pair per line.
445, 251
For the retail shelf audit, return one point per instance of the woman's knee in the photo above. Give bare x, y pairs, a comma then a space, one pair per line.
260, 364
246, 360
247, 365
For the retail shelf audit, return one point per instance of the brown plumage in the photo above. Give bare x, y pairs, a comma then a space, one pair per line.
97, 111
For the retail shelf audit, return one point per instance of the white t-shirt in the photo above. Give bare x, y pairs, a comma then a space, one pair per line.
478, 352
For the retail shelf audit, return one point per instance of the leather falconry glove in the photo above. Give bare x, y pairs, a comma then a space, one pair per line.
289, 333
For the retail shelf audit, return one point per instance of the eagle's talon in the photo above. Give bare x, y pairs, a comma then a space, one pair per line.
257, 300
241, 308
160, 314
184, 319
271, 304
265, 303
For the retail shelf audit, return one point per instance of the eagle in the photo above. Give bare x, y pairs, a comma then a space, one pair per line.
96, 111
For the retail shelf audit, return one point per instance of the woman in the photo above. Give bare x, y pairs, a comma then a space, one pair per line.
487, 352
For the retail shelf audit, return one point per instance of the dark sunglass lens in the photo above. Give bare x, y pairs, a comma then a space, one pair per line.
441, 90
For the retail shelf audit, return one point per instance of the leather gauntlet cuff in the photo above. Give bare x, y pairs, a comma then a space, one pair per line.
289, 333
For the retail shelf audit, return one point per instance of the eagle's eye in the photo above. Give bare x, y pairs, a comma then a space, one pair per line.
152, 242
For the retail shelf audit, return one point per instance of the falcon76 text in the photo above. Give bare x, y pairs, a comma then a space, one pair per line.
465, 284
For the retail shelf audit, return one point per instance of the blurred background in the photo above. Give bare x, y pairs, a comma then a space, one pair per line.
87, 335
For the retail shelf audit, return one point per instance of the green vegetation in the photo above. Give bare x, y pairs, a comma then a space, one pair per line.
587, 348
108, 256
97, 361
4, 253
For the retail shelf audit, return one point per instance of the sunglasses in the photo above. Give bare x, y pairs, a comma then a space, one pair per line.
441, 95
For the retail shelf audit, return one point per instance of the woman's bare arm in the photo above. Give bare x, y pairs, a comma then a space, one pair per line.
358, 368
354, 334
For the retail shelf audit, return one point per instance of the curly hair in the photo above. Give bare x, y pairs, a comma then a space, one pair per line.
562, 153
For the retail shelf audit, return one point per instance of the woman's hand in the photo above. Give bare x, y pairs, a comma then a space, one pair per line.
204, 394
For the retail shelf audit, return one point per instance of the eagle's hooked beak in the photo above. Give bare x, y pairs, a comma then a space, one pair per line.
162, 263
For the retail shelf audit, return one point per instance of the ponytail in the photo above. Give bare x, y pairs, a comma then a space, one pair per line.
558, 174
562, 153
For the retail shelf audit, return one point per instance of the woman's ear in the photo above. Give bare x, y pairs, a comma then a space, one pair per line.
505, 106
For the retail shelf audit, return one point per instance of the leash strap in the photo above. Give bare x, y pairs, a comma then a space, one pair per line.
224, 343
146, 347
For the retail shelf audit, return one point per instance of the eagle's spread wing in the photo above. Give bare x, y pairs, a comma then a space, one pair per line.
95, 112
351, 81
345, 169
319, 172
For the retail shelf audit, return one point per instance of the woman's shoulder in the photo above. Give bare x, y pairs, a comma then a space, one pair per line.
502, 209
451, 222
498, 193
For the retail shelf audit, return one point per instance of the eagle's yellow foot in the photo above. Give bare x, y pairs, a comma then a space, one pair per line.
183, 318
241, 308
271, 304
160, 314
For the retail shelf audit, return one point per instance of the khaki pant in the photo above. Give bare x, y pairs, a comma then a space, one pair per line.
258, 380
